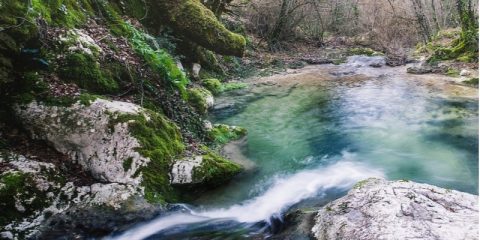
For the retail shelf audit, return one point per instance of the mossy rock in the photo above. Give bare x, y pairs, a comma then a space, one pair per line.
213, 85
25, 186
83, 70
200, 98
221, 134
363, 51
161, 142
215, 170
198, 23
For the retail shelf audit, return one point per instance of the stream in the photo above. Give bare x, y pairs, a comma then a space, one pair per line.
314, 132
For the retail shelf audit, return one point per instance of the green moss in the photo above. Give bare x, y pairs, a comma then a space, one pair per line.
215, 169
213, 85
363, 51
67, 101
161, 142
472, 82
233, 86
158, 59
197, 97
85, 71
64, 13
87, 99
195, 21
360, 184
453, 72
16, 20
222, 134
127, 164
16, 186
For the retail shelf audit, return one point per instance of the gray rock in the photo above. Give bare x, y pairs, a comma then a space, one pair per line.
87, 135
43, 194
419, 70
183, 170
196, 70
380, 209
465, 73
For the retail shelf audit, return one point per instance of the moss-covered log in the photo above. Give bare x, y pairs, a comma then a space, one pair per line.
199, 24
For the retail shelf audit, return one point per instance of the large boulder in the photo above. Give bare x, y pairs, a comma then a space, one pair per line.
89, 135
380, 209
117, 142
32, 191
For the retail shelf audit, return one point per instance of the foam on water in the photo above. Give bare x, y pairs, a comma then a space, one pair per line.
282, 194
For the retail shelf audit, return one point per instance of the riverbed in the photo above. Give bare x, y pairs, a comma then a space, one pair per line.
314, 132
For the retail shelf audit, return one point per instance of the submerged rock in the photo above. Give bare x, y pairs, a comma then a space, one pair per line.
380, 209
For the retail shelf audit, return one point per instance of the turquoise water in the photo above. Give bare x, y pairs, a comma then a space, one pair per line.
402, 128
315, 141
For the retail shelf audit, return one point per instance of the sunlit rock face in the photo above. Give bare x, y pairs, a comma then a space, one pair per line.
183, 170
90, 136
379, 209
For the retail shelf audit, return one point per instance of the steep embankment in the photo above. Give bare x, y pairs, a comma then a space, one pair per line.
96, 117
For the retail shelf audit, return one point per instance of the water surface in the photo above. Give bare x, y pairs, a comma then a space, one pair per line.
313, 137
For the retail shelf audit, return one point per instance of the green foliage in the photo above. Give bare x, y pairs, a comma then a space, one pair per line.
221, 134
464, 48
216, 87
233, 86
453, 72
85, 71
161, 142
159, 60
197, 97
67, 101
472, 82
215, 169
213, 85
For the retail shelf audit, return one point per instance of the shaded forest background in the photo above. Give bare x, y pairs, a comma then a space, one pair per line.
387, 25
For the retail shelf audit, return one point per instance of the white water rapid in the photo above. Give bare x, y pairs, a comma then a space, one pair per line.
282, 194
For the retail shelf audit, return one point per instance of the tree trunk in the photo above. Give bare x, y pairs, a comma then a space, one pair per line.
274, 36
422, 20
434, 16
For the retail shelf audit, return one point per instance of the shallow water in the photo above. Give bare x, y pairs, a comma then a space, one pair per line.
314, 141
